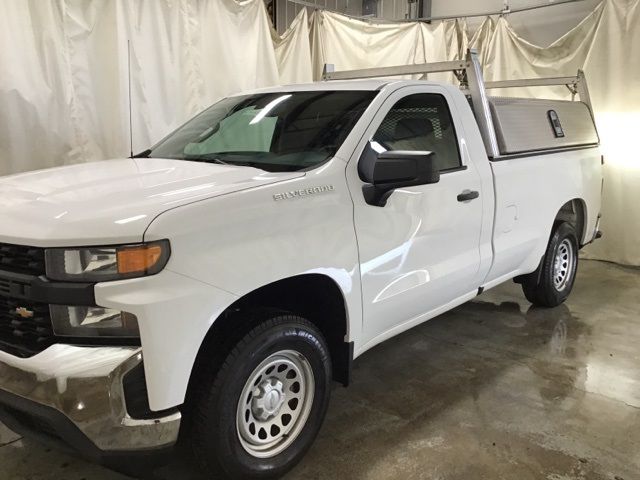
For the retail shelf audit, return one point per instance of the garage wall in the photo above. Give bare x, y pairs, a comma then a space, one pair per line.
541, 27
286, 11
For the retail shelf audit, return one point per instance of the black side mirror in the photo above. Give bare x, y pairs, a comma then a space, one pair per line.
395, 169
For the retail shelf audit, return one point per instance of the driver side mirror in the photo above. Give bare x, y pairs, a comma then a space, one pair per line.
384, 172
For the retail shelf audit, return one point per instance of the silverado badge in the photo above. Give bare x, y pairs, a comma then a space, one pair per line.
303, 192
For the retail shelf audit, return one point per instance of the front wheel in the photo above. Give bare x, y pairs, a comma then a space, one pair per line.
259, 413
551, 284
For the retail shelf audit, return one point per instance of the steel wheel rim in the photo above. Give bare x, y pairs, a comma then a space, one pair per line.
275, 403
563, 265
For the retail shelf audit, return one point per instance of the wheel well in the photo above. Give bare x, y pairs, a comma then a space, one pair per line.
574, 213
315, 297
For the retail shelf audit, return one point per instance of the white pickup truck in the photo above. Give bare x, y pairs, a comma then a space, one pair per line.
216, 284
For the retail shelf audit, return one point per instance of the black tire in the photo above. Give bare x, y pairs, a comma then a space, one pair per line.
215, 436
540, 287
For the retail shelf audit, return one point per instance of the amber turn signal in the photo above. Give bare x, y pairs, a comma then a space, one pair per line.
139, 259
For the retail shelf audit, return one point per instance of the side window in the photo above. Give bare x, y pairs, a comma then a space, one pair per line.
421, 122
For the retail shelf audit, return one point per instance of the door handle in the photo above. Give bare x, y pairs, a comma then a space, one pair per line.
468, 195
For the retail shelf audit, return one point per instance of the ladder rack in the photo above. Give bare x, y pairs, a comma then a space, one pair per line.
469, 73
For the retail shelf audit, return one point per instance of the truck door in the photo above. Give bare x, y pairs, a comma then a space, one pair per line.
420, 251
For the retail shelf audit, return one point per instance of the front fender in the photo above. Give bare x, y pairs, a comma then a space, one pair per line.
237, 243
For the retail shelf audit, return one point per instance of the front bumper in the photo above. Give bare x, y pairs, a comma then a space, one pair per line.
75, 396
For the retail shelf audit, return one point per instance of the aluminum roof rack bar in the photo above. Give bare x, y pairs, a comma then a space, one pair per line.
576, 85
469, 72
532, 82
583, 90
330, 74
480, 101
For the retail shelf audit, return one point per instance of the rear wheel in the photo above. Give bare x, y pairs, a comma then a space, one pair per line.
552, 283
256, 415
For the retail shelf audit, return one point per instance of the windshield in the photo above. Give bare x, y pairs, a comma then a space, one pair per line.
283, 131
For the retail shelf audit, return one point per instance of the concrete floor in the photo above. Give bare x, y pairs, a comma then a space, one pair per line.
492, 390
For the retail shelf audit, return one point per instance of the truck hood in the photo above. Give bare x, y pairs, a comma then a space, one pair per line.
111, 201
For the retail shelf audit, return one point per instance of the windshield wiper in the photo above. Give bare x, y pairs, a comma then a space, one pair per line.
238, 160
207, 158
144, 154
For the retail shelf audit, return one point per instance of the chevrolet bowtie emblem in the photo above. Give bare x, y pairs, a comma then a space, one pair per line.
24, 312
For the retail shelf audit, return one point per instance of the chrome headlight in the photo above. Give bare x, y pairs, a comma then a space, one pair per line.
100, 264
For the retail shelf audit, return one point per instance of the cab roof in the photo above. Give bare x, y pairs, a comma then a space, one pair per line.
366, 84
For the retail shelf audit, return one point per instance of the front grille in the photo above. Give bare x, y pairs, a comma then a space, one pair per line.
25, 327
5, 287
22, 259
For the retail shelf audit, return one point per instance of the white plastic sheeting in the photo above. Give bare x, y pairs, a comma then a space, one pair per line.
292, 51
64, 71
350, 43
63, 75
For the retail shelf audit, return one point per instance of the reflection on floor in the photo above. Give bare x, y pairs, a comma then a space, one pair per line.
494, 389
